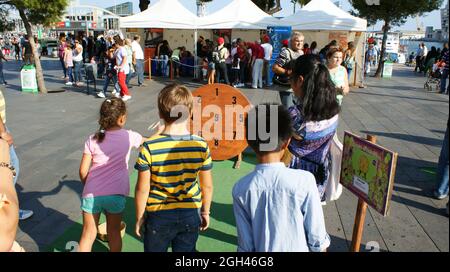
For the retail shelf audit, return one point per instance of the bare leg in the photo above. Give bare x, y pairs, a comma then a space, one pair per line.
237, 164
113, 222
90, 223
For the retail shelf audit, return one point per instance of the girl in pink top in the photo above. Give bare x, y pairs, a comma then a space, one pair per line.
104, 172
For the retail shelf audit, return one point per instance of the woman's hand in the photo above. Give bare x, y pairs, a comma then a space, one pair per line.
7, 137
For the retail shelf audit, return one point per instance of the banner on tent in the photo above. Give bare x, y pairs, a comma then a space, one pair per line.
277, 34
340, 37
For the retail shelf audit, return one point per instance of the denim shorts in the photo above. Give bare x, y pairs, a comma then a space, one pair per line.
113, 204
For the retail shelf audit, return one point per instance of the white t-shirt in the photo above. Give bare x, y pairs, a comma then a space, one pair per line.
119, 55
268, 49
78, 56
137, 50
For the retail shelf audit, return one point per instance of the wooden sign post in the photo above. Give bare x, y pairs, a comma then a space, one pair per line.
368, 171
360, 216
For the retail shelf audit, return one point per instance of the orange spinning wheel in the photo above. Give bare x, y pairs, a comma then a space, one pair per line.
219, 115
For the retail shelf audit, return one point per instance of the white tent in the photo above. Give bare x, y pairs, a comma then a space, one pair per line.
168, 14
324, 15
239, 14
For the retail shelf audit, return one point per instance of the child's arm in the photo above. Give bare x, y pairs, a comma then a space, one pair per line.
141, 197
9, 204
206, 185
84, 167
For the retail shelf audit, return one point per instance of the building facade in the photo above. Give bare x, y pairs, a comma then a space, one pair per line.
444, 23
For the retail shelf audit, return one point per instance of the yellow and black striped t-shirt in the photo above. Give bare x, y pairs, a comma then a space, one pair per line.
174, 163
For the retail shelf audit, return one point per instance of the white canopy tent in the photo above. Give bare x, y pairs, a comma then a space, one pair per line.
168, 14
322, 21
239, 14
324, 15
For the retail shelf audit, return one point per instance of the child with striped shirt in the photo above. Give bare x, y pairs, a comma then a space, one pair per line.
174, 188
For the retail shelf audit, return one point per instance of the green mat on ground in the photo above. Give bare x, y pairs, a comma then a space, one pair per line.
220, 237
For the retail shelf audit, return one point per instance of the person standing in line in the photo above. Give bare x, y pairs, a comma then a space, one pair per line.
313, 48
173, 215
338, 73
277, 209
104, 174
78, 63
219, 56
129, 60
282, 67
349, 58
268, 51
122, 67
9, 202
61, 52
2, 76
258, 65
445, 74
441, 190
315, 124
6, 135
68, 63
138, 60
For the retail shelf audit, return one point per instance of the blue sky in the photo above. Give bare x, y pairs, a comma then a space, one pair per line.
430, 19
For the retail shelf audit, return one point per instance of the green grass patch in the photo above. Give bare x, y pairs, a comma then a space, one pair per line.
220, 237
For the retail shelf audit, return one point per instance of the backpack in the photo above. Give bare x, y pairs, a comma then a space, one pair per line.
216, 55
283, 80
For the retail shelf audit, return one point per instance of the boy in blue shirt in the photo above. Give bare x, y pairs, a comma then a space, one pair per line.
277, 209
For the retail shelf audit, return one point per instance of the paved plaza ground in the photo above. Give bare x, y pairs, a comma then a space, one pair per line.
49, 132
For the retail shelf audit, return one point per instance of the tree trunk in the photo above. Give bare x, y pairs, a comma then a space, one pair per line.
37, 61
386, 28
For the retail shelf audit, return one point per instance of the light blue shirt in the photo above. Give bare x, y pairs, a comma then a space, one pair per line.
278, 209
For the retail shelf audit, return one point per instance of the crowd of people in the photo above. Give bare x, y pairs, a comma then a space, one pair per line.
433, 63
174, 190
116, 60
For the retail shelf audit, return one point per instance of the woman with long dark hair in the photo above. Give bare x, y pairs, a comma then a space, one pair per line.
315, 119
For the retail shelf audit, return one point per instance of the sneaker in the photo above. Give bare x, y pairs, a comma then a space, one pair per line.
438, 196
5, 83
80, 83
69, 83
142, 85
101, 94
126, 98
25, 214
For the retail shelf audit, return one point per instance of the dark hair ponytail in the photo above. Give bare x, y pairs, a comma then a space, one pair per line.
319, 101
110, 112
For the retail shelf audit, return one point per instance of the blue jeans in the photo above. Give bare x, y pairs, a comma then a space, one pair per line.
114, 80
140, 71
70, 74
442, 172
164, 65
444, 81
63, 66
14, 160
177, 228
2, 77
77, 70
